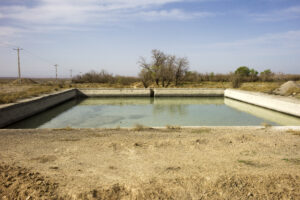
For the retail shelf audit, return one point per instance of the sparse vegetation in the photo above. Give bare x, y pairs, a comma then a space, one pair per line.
292, 160
104, 77
201, 130
26, 92
140, 127
294, 132
170, 127
251, 163
236, 80
266, 125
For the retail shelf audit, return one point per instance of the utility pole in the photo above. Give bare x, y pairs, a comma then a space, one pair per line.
19, 65
71, 73
56, 65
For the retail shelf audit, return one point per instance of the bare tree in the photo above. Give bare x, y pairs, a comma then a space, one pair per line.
163, 68
182, 66
159, 59
168, 71
146, 77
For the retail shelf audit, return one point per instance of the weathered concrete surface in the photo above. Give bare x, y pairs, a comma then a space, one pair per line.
188, 92
267, 114
122, 92
10, 113
278, 103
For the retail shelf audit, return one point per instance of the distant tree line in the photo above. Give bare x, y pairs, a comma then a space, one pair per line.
165, 70
104, 77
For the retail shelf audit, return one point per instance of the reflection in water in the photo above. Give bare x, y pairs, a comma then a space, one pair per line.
179, 105
263, 113
189, 100
172, 109
116, 101
154, 112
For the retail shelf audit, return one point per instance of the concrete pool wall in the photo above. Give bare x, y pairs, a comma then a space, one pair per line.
11, 113
277, 103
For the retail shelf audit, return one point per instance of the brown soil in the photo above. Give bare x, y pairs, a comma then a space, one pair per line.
21, 183
206, 163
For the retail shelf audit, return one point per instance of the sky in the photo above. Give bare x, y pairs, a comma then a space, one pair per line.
83, 35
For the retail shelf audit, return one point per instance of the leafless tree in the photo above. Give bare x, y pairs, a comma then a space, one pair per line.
159, 59
146, 77
168, 71
164, 69
182, 66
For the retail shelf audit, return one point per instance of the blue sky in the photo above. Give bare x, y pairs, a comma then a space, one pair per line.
83, 35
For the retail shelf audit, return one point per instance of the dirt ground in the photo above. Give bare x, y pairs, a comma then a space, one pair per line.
205, 163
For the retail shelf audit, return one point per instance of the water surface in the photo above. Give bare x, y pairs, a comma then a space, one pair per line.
154, 112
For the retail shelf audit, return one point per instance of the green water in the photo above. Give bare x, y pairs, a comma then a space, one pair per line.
154, 112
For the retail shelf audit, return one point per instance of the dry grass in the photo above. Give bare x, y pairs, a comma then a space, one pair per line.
294, 132
252, 163
170, 127
140, 127
266, 87
201, 130
9, 95
266, 125
295, 161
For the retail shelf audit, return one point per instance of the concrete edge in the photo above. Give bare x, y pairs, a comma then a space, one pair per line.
277, 103
11, 113
277, 128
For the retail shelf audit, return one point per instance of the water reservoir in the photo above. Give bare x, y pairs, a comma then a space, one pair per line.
155, 112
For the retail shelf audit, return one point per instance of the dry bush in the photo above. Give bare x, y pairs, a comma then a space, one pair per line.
171, 127
140, 127
104, 78
236, 80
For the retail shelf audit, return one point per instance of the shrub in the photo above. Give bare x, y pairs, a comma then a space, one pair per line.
236, 80
243, 71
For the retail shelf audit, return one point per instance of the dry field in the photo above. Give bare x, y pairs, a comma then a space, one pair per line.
173, 163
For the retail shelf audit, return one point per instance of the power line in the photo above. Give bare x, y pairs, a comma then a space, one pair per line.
39, 57
71, 73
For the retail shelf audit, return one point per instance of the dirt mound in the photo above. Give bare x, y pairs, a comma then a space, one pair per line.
21, 183
287, 88
24, 81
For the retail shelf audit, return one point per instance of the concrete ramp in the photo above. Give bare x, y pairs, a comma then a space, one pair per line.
278, 103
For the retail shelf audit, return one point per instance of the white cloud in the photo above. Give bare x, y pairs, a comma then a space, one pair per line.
79, 11
283, 40
67, 14
173, 14
279, 15
6, 31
